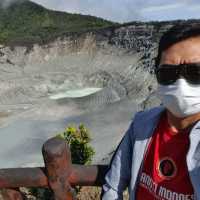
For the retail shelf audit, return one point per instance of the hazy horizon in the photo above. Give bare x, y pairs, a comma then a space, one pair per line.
123, 11
127, 10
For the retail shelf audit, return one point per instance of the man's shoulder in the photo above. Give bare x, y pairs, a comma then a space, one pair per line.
149, 113
145, 121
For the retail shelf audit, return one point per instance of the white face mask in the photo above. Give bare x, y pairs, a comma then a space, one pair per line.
181, 98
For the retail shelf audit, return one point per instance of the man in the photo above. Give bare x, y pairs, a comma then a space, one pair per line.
159, 156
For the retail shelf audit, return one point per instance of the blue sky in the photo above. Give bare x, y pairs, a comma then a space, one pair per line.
128, 10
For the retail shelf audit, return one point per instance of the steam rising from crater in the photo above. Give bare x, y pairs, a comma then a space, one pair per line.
7, 3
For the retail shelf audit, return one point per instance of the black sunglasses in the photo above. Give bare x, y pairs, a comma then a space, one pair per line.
167, 74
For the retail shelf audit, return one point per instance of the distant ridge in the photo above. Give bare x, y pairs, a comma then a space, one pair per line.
28, 22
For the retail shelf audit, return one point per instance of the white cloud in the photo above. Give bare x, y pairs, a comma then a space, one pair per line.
194, 7
161, 7
115, 10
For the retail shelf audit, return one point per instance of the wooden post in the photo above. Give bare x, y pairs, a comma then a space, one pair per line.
11, 194
57, 160
59, 174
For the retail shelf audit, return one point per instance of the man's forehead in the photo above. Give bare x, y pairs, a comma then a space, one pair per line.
185, 51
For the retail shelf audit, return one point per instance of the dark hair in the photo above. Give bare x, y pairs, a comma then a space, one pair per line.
177, 33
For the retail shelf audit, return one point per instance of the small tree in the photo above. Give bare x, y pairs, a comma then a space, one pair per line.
78, 140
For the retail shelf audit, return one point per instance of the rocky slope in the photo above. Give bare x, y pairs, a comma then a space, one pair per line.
118, 59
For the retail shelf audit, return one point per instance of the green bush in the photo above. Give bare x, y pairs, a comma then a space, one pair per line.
78, 140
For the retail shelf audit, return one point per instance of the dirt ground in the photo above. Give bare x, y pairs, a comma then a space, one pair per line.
86, 193
93, 193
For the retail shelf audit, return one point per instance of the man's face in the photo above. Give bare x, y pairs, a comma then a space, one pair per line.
187, 51
179, 78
